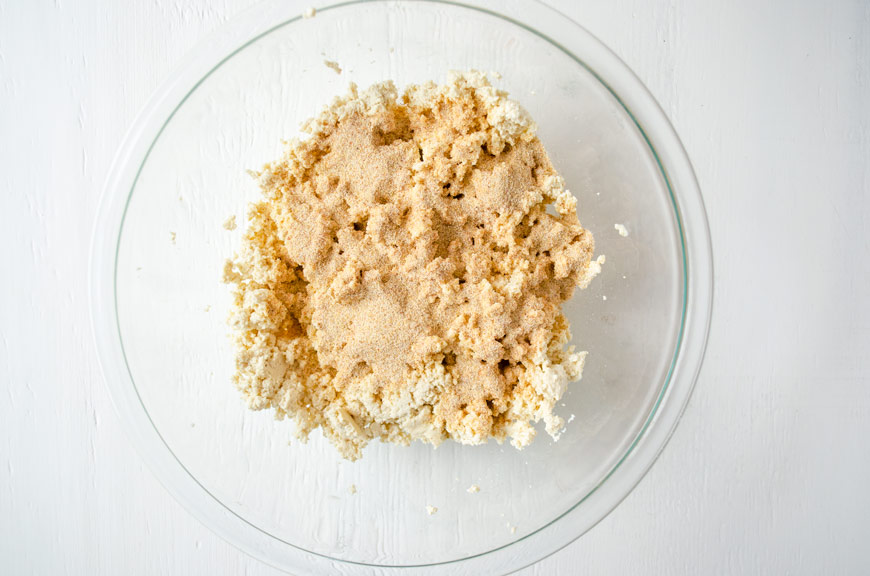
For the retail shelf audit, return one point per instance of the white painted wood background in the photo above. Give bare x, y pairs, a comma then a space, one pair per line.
769, 471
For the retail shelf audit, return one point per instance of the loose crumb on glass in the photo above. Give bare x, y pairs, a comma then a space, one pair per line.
309, 12
431, 509
230, 223
623, 231
172, 237
332, 64
473, 489
352, 489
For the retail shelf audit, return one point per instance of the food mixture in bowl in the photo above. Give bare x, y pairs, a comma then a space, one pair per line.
402, 278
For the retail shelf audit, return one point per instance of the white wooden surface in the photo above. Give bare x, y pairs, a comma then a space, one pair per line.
768, 472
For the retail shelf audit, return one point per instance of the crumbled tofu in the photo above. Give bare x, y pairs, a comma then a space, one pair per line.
353, 314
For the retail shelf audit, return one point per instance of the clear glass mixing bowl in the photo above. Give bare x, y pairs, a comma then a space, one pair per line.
159, 307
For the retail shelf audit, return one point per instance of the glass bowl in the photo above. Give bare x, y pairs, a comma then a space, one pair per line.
159, 306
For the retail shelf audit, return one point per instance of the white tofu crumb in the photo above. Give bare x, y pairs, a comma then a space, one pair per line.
172, 237
431, 509
332, 64
207, 308
604, 297
623, 231
230, 223
352, 489
593, 270
309, 12
473, 489
570, 418
513, 529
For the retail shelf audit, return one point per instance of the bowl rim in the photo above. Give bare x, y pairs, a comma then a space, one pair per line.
677, 172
